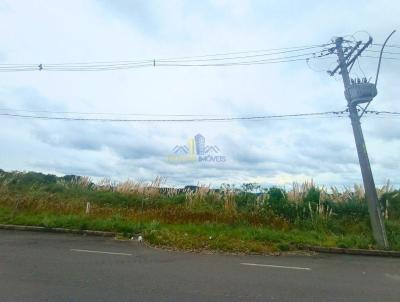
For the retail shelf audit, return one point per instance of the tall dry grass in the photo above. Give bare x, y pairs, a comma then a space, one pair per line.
202, 202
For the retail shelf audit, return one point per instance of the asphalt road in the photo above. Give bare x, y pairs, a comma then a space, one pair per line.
63, 267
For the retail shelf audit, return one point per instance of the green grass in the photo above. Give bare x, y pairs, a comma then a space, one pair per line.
208, 236
249, 220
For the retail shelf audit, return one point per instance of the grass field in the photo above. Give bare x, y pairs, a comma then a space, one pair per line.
245, 219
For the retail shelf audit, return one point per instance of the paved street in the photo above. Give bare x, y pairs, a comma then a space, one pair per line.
63, 267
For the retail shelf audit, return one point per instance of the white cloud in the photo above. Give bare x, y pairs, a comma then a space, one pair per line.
268, 152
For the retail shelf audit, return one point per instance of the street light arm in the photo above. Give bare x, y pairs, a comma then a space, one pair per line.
380, 57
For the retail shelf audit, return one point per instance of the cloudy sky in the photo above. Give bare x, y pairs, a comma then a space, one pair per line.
267, 152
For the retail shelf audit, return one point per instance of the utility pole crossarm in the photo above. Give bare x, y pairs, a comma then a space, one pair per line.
360, 52
332, 73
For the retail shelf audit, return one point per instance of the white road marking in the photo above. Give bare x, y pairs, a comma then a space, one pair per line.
100, 252
278, 266
394, 277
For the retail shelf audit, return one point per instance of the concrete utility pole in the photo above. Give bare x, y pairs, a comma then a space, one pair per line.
351, 90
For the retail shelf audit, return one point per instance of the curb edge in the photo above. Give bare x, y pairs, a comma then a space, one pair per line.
348, 251
56, 230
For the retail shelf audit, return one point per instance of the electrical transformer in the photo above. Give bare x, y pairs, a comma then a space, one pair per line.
361, 92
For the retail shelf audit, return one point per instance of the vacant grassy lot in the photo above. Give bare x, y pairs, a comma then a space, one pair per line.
245, 219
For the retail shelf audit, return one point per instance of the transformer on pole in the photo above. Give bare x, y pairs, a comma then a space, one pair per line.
361, 91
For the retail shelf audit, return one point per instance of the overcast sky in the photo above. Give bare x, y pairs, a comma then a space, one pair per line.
266, 152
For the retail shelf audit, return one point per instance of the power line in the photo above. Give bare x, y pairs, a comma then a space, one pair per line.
226, 58
154, 63
282, 50
241, 57
212, 119
300, 58
383, 112
109, 113
386, 52
385, 58
209, 118
244, 63
303, 57
202, 58
378, 44
270, 51
390, 46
